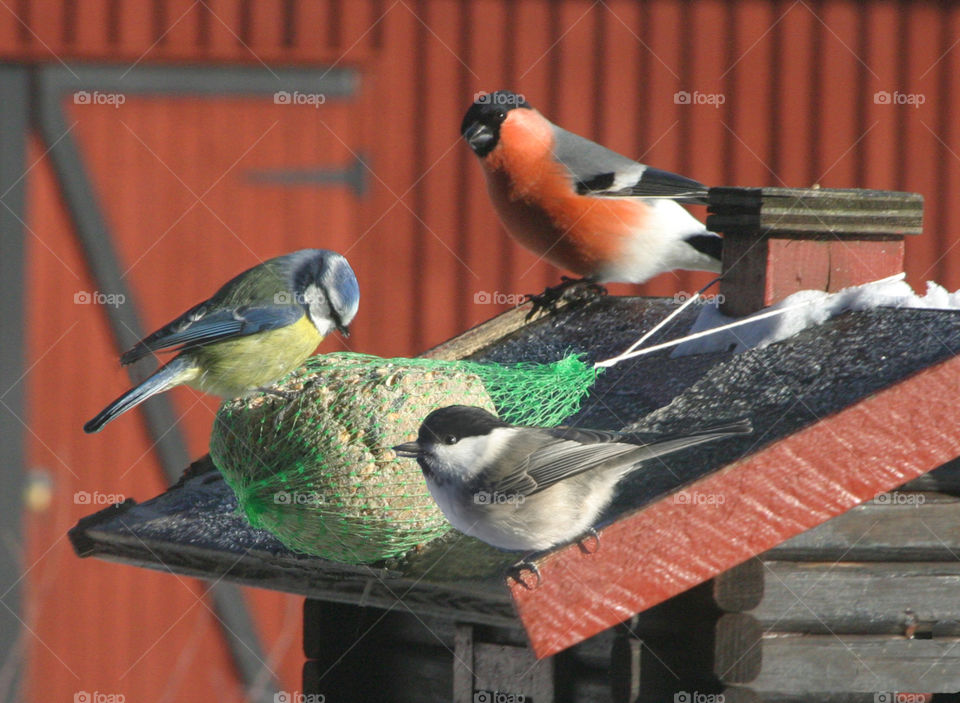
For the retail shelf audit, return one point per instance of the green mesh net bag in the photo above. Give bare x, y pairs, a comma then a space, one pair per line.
317, 470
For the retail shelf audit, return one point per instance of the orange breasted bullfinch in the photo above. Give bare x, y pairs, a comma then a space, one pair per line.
581, 206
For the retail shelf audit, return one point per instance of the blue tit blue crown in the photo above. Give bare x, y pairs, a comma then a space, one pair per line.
325, 283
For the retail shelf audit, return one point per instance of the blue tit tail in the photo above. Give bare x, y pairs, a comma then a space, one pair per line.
179, 370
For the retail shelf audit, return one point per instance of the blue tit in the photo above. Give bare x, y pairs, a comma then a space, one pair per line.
258, 327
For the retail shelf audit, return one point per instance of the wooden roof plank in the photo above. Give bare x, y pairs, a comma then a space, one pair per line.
790, 486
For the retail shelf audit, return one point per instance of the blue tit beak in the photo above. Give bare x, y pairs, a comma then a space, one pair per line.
343, 330
478, 135
410, 450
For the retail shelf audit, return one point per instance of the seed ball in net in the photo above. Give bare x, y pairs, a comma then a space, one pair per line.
312, 461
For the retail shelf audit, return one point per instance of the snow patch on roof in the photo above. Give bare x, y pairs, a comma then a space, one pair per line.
813, 308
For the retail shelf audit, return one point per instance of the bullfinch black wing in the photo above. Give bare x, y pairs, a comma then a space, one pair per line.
203, 324
596, 170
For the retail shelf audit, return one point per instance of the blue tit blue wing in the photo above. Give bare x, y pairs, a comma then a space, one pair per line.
201, 325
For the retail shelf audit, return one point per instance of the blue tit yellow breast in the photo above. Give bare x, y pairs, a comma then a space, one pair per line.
236, 366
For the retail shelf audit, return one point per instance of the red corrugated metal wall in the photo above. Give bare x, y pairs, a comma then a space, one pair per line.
801, 88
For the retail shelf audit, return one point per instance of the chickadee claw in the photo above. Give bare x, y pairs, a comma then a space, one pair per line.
515, 572
583, 540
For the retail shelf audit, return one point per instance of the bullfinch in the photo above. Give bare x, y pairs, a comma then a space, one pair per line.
581, 206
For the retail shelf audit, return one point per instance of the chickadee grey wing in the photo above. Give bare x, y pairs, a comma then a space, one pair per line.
202, 325
596, 170
585, 436
741, 426
552, 461
574, 451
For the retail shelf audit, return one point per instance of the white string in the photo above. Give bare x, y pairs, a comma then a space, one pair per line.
631, 353
686, 303
697, 335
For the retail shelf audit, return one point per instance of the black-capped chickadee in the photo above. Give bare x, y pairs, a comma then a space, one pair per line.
532, 488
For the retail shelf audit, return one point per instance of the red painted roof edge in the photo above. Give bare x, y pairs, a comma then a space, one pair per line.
745, 508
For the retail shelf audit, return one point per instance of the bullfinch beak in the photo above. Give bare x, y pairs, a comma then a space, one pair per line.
478, 135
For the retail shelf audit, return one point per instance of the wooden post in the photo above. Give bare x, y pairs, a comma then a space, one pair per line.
781, 240
484, 671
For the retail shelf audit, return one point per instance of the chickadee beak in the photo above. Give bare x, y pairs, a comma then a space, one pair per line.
410, 450
478, 135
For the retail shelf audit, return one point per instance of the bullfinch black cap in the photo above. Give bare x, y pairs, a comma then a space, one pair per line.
481, 124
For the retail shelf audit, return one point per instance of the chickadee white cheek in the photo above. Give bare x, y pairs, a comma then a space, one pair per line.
460, 460
470, 456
